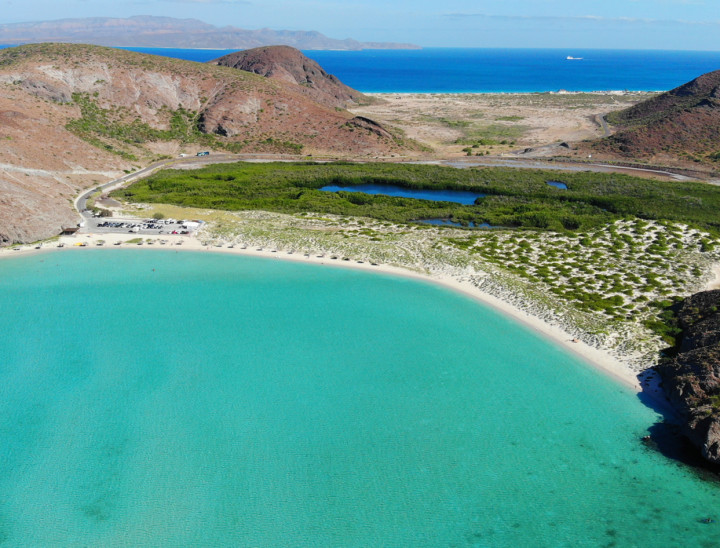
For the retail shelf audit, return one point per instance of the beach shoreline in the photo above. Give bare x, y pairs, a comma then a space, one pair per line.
596, 358
714, 283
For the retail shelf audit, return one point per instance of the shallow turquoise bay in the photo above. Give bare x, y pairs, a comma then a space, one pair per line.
192, 399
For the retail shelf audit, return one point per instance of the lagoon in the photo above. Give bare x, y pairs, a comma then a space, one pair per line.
450, 222
465, 197
164, 398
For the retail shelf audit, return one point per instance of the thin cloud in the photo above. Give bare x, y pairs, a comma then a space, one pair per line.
578, 18
242, 2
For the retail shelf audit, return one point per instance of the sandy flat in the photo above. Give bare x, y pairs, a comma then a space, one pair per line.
448, 122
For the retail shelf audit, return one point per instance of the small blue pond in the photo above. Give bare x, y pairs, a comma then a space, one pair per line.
448, 222
458, 196
558, 184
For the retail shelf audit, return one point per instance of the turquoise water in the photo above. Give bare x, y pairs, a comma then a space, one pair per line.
558, 184
180, 399
465, 197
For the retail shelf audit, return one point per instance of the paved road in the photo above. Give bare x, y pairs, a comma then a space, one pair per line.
559, 165
81, 201
600, 118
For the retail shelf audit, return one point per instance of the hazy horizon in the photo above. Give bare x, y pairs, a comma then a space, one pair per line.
580, 24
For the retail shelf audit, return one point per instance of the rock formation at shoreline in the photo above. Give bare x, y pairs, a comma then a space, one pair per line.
691, 378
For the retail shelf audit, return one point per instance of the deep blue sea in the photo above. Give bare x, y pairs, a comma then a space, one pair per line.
450, 70
484, 70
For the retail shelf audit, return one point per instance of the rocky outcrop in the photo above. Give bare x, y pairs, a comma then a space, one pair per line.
691, 379
369, 125
289, 65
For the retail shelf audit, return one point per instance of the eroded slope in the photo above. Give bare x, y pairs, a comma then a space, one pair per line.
73, 115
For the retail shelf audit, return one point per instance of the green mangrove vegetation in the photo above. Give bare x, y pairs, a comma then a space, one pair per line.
514, 198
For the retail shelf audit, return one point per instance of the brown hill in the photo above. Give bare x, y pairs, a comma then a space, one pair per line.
677, 126
73, 116
289, 65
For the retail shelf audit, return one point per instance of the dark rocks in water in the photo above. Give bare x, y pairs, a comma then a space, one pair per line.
691, 378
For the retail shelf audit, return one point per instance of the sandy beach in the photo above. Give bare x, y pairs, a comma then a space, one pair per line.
715, 282
594, 357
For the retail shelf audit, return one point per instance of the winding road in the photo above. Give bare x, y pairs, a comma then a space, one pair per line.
81, 200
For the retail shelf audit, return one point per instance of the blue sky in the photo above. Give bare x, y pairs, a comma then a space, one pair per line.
626, 24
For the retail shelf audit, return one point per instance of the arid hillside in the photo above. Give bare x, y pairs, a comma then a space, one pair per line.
74, 115
681, 126
287, 64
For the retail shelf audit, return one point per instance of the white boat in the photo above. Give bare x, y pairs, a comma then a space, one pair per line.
571, 58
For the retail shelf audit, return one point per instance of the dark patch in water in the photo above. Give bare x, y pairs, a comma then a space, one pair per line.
668, 440
97, 511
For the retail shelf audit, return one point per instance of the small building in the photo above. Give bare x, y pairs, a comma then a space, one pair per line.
70, 231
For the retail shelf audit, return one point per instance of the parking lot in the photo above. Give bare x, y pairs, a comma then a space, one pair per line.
155, 227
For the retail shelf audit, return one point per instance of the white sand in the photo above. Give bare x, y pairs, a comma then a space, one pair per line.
714, 283
593, 356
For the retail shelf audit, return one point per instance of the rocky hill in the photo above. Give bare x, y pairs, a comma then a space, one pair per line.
691, 379
289, 65
72, 116
679, 126
169, 32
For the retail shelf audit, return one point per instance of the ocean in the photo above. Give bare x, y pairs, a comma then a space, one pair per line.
159, 398
453, 70
478, 70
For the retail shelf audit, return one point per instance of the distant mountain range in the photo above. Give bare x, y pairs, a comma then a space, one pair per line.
168, 32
